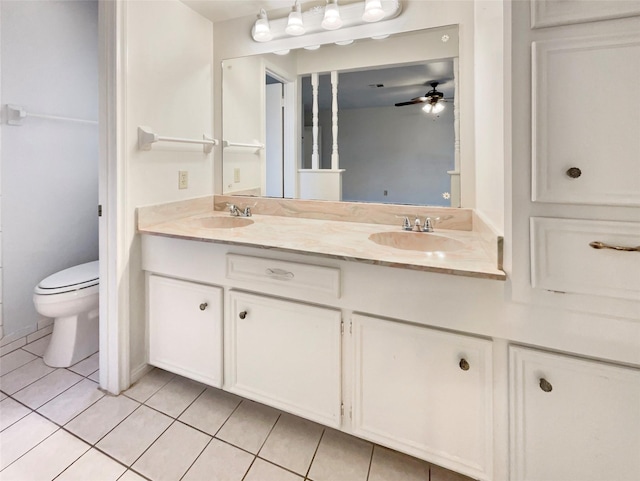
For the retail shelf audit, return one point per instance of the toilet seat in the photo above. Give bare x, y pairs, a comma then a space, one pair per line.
69, 280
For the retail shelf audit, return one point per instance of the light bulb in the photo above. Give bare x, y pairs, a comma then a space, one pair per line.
373, 11
261, 32
295, 26
438, 107
427, 108
331, 20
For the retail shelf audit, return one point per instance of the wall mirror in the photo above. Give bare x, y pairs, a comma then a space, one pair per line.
324, 124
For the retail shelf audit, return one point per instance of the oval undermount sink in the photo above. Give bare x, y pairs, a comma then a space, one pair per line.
221, 222
416, 241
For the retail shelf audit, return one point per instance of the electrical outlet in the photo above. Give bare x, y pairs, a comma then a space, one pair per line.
236, 175
183, 179
386, 193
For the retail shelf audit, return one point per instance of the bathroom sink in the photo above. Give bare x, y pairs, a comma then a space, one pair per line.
221, 222
416, 241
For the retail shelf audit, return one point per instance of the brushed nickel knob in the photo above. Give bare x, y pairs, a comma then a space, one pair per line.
545, 385
203, 306
464, 365
574, 172
242, 315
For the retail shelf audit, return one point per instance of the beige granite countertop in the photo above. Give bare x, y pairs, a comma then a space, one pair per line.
329, 238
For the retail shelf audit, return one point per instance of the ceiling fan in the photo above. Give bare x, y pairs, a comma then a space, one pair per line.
433, 99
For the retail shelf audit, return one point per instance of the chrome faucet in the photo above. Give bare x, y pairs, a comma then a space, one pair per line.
418, 226
236, 212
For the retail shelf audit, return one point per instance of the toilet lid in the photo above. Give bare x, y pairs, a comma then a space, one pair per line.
74, 278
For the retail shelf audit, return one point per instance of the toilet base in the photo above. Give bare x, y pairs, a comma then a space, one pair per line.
74, 338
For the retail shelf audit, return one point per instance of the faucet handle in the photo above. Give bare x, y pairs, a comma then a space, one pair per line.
429, 222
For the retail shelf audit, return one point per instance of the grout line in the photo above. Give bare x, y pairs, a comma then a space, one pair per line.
74, 462
31, 448
315, 452
373, 447
198, 456
250, 466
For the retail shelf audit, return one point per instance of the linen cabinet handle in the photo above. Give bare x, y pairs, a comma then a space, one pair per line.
545, 385
602, 245
242, 315
464, 365
203, 306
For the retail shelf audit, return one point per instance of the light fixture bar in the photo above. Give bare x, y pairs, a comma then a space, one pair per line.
351, 15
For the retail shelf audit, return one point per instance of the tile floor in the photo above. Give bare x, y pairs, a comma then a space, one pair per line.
56, 424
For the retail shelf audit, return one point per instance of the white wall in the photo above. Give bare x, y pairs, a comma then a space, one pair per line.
168, 86
49, 168
410, 162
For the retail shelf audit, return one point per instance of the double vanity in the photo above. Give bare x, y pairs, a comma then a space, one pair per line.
331, 311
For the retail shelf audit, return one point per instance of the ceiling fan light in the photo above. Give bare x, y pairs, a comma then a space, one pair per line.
295, 26
373, 11
427, 108
331, 20
438, 107
261, 32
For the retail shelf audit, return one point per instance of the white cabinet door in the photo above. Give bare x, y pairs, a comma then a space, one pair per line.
586, 120
185, 328
424, 392
573, 419
284, 354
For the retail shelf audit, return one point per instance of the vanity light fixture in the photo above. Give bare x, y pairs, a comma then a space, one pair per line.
373, 11
344, 42
331, 20
380, 37
322, 20
261, 32
282, 52
295, 25
312, 47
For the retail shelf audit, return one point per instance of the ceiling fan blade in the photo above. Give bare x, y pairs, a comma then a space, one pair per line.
416, 100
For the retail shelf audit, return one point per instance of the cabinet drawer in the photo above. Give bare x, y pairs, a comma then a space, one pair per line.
295, 277
572, 419
562, 259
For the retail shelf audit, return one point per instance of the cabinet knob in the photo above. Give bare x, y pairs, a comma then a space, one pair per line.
574, 172
464, 365
203, 306
545, 385
242, 315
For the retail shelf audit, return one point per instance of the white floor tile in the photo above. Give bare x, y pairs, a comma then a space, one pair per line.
131, 476
264, 471
93, 466
72, 402
292, 443
22, 436
249, 426
14, 360
341, 457
95, 376
209, 412
151, 383
172, 454
134, 435
175, 396
46, 388
38, 347
24, 375
220, 462
11, 412
47, 459
388, 465
87, 366
102, 417
11, 346
3, 396
441, 474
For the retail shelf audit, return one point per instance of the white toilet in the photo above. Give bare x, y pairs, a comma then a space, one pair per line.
71, 298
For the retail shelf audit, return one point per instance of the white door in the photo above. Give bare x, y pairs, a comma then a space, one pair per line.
424, 392
185, 328
274, 135
573, 419
284, 354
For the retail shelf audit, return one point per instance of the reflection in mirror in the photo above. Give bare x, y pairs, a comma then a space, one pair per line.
384, 129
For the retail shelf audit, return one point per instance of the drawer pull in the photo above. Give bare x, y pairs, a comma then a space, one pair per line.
602, 245
464, 365
242, 315
545, 385
203, 306
574, 172
279, 273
